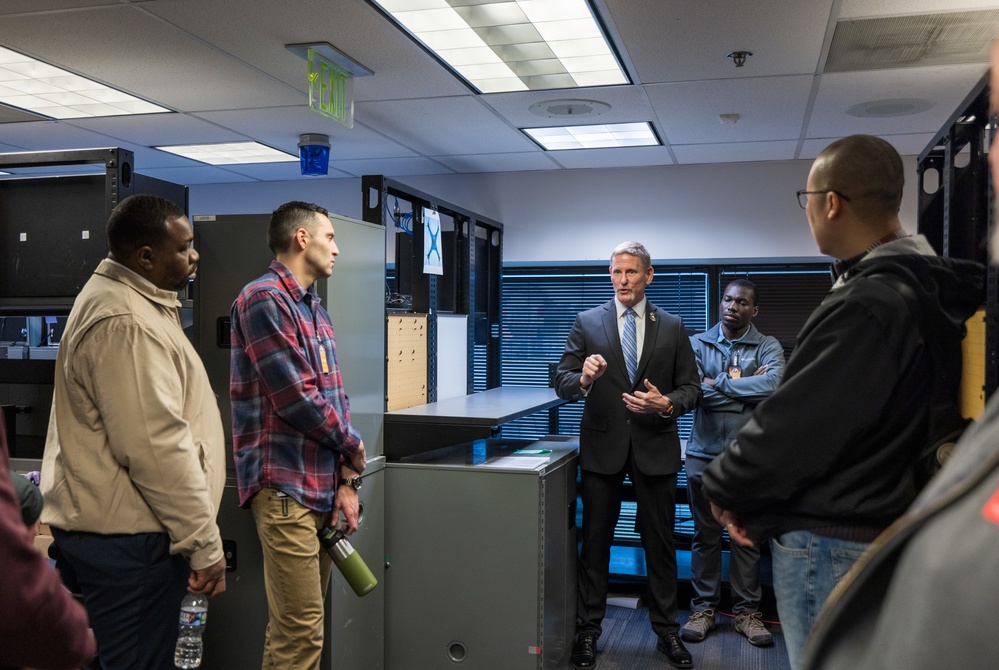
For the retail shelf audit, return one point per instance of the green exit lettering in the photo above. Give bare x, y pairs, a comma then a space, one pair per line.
330, 90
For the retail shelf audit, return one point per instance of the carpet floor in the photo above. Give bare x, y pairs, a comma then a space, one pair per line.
628, 643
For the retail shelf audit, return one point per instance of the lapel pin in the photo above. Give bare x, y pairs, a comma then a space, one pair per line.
652, 317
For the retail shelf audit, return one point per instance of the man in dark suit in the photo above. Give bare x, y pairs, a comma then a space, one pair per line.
634, 365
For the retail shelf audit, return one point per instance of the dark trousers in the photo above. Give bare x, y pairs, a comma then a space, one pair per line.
132, 587
601, 498
706, 554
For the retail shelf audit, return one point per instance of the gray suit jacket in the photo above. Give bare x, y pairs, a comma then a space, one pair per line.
608, 429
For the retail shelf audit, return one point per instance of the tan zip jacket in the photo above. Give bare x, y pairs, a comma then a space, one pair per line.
135, 441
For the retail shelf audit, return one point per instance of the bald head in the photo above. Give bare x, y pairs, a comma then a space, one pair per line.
866, 171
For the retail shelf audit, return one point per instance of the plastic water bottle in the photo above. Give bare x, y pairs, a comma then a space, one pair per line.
193, 615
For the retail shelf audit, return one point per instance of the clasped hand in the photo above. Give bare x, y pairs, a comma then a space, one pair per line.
650, 401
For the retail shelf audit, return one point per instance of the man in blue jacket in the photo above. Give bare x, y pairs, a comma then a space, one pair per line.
739, 367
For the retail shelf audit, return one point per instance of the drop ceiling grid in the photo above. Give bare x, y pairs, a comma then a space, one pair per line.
769, 108
50, 136
153, 130
439, 126
256, 31
281, 128
671, 42
838, 92
627, 105
508, 162
736, 152
140, 54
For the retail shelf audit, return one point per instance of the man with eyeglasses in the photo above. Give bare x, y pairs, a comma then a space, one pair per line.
921, 592
831, 459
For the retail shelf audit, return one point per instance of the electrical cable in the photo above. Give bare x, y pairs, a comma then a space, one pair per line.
403, 222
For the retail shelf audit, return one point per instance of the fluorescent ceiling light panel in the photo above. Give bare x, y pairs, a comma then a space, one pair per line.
513, 45
594, 137
49, 91
231, 153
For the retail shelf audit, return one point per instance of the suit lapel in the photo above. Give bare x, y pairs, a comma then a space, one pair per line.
614, 337
649, 342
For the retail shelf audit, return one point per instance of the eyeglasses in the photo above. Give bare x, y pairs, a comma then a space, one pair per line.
803, 196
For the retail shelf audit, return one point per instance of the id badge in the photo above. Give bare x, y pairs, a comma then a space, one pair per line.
322, 358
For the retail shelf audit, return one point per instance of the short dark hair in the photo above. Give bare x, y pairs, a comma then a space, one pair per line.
139, 221
748, 285
865, 169
288, 218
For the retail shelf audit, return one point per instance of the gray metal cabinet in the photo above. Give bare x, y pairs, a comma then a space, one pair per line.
481, 551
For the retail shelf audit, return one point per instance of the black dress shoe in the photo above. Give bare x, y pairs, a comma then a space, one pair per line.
676, 653
584, 652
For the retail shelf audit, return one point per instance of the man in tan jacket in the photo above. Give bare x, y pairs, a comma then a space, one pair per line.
134, 464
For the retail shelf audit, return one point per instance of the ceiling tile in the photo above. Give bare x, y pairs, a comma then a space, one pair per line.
688, 154
946, 87
513, 162
438, 126
670, 42
769, 108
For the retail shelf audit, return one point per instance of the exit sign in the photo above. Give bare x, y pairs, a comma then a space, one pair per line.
331, 89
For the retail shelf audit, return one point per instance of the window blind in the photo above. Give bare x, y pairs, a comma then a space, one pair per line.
539, 307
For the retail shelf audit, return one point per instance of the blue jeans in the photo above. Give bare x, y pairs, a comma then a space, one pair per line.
806, 567
132, 587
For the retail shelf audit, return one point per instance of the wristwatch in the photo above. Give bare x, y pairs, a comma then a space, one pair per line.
352, 482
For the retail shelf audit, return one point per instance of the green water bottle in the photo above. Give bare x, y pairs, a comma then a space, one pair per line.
347, 560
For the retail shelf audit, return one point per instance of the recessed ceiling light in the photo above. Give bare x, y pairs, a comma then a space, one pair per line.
513, 45
44, 89
231, 153
594, 137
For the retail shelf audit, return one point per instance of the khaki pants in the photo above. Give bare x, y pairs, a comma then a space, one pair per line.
296, 577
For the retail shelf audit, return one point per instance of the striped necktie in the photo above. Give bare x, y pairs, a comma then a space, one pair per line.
629, 343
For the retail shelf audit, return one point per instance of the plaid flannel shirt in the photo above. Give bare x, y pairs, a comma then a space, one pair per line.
290, 418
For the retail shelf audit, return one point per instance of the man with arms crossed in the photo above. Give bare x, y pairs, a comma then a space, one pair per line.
730, 394
298, 459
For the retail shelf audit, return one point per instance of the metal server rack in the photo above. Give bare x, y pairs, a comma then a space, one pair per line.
955, 203
118, 184
471, 280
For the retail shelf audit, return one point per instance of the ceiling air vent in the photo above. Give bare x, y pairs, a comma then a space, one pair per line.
912, 41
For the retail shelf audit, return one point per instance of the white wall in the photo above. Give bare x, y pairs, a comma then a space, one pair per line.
696, 212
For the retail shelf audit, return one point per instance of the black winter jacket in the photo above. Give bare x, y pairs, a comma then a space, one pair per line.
836, 445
